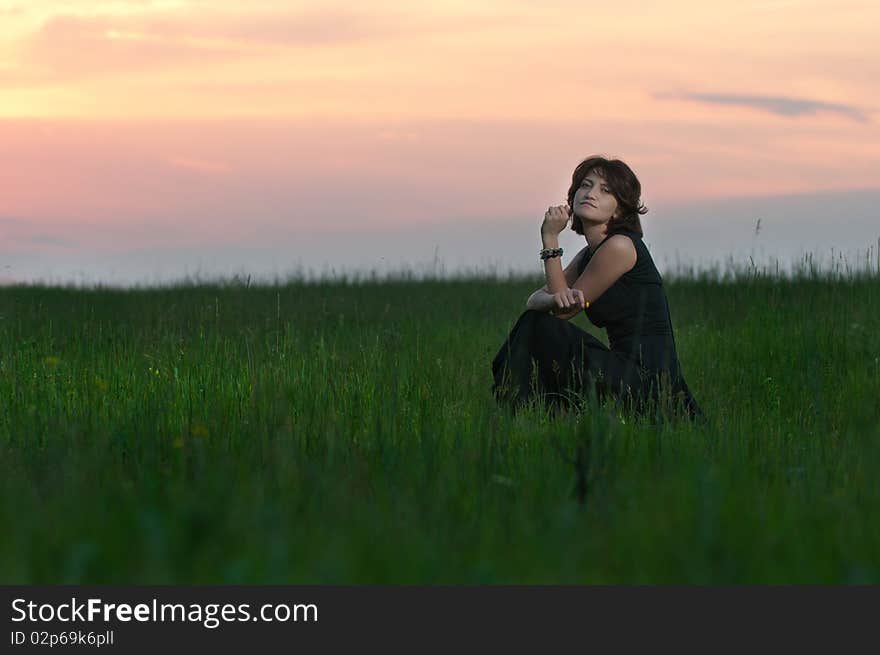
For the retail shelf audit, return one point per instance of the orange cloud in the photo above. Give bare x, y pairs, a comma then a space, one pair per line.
495, 61
66, 48
72, 46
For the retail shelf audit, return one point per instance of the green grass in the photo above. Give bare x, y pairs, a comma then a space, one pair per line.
345, 432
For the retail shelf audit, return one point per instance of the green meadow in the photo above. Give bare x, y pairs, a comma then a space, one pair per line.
344, 432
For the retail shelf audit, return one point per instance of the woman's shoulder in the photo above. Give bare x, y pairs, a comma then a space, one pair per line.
634, 236
636, 239
623, 237
621, 246
613, 242
616, 251
645, 269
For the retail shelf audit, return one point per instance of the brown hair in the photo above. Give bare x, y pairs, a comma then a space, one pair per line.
623, 184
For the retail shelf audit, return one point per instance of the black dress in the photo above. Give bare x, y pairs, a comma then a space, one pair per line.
550, 357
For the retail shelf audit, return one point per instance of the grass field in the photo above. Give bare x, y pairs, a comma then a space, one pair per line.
344, 432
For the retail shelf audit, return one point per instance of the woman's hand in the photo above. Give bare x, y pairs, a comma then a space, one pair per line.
555, 220
569, 302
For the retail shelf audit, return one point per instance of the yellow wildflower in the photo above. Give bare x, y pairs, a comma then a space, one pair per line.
199, 430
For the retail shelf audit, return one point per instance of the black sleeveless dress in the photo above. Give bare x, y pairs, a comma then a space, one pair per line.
550, 357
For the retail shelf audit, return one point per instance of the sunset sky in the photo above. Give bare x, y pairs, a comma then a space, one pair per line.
239, 131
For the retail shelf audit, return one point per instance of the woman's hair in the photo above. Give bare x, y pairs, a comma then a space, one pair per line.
623, 184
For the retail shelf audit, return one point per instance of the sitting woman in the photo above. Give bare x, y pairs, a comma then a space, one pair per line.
615, 280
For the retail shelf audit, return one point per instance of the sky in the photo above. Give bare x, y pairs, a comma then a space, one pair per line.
149, 140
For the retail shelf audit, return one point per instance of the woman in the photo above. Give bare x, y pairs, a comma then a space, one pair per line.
615, 280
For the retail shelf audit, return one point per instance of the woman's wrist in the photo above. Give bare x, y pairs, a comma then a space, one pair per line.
550, 240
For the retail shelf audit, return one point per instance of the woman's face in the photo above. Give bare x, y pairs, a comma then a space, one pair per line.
593, 201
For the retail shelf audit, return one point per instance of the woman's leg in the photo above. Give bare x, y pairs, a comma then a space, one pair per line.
547, 356
511, 367
689, 403
668, 395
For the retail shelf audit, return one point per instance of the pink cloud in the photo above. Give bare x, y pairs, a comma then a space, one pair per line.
231, 179
199, 165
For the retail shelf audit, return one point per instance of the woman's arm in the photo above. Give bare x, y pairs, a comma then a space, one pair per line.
548, 302
555, 220
556, 281
542, 300
571, 271
612, 260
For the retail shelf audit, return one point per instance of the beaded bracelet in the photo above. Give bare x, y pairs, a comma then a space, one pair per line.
547, 253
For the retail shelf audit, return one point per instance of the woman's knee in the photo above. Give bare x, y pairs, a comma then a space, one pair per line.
546, 320
534, 314
549, 331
